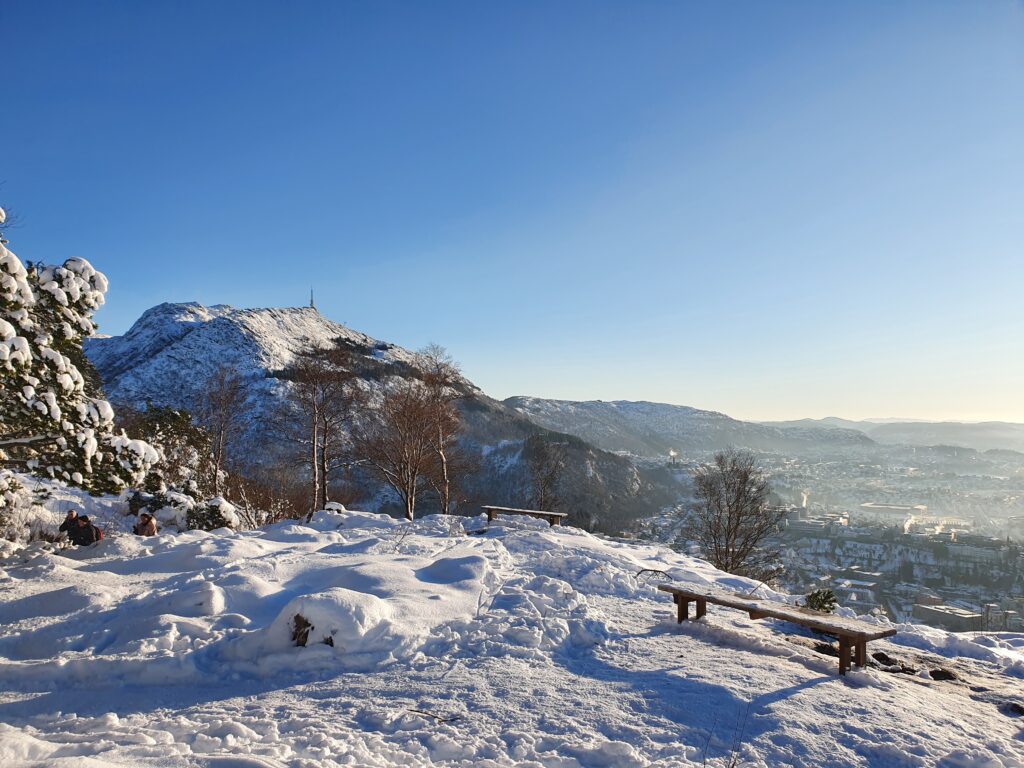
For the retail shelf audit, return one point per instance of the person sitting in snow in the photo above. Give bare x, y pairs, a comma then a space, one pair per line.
70, 521
146, 525
79, 530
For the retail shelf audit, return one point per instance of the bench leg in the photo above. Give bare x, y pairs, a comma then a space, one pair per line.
702, 608
844, 654
862, 653
682, 609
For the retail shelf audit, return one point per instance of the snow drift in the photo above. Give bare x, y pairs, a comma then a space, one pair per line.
517, 645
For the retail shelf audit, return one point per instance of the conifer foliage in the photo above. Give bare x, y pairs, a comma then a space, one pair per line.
822, 600
52, 421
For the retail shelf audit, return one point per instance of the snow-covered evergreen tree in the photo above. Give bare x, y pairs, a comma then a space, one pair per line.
52, 422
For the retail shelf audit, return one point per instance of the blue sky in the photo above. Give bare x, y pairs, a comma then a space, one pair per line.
774, 210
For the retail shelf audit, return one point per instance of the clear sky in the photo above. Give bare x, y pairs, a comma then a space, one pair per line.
771, 209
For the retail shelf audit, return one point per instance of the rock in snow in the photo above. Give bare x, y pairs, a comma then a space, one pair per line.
521, 645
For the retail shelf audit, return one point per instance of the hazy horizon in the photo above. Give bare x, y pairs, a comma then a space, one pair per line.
773, 211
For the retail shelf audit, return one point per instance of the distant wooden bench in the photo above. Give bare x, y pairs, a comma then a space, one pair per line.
853, 634
553, 518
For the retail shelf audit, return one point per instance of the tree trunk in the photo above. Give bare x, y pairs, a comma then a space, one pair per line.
314, 468
321, 501
218, 460
445, 491
410, 499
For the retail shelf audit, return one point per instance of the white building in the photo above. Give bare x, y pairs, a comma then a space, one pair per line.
873, 513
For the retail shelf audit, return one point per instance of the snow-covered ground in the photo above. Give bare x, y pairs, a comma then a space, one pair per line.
521, 645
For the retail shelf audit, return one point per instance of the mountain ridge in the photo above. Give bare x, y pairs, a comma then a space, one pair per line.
978, 435
653, 429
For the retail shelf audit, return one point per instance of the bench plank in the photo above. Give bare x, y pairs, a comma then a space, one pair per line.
853, 634
761, 609
553, 518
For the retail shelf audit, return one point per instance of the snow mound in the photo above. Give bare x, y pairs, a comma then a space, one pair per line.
348, 621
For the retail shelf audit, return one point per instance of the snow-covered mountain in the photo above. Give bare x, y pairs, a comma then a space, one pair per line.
170, 352
652, 429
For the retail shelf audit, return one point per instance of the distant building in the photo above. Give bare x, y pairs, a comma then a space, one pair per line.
977, 549
872, 512
934, 524
950, 617
807, 527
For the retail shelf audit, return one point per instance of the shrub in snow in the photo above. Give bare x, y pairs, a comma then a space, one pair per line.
53, 421
170, 508
822, 600
212, 514
16, 509
335, 516
173, 509
186, 451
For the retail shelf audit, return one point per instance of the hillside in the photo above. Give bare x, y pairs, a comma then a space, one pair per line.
522, 645
167, 356
652, 429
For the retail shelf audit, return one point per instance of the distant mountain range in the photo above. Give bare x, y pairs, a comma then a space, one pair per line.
653, 429
981, 436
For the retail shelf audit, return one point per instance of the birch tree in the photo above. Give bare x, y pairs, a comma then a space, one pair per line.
441, 379
546, 461
221, 409
324, 394
731, 520
398, 443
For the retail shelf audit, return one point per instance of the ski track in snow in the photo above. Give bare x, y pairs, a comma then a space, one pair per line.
523, 645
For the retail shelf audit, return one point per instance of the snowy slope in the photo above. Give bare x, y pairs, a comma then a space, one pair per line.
652, 429
523, 645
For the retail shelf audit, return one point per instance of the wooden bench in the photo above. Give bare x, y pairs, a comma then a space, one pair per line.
553, 518
853, 634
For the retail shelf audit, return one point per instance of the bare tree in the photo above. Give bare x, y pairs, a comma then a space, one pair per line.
221, 409
441, 379
323, 398
398, 445
264, 500
546, 462
732, 520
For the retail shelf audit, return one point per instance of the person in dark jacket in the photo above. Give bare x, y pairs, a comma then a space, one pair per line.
79, 530
85, 532
70, 521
